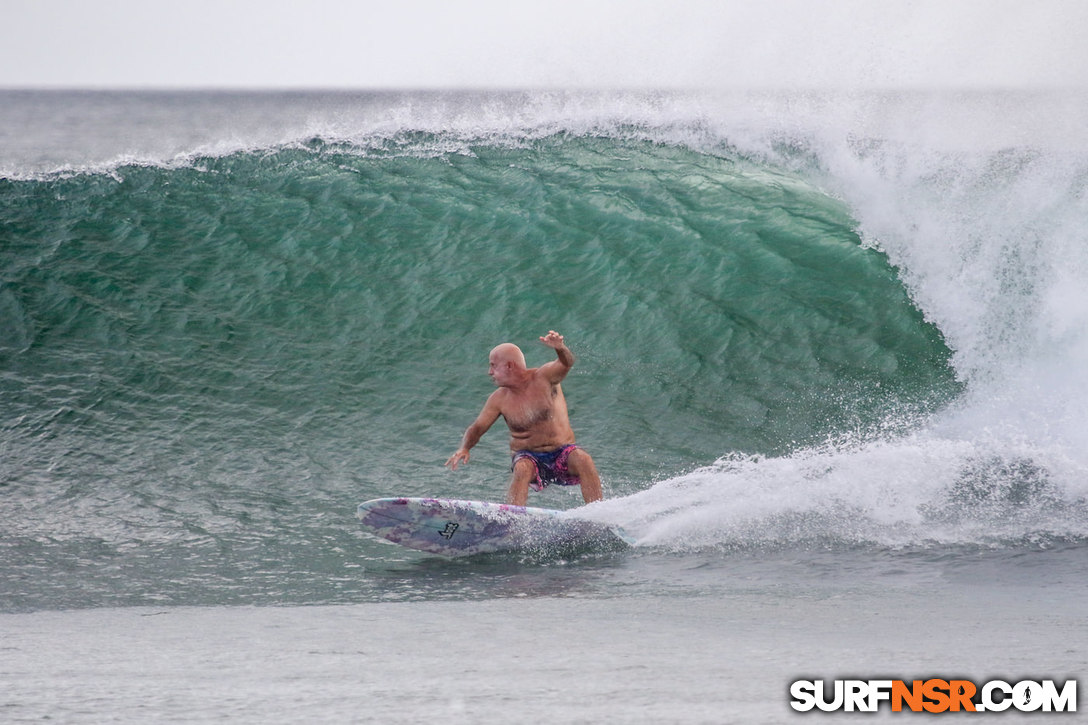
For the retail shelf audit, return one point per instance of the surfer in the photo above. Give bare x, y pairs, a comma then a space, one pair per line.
541, 439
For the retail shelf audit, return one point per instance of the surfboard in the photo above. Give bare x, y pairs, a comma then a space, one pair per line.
450, 527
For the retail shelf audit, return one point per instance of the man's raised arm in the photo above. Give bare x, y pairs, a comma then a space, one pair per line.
557, 369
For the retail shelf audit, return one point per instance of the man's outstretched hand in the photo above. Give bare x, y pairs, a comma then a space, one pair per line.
553, 340
461, 456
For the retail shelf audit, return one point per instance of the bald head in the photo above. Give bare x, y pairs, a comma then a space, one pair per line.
506, 365
508, 352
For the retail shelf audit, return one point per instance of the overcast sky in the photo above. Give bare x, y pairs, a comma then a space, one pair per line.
535, 43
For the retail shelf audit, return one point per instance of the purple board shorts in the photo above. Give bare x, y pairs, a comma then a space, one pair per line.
551, 466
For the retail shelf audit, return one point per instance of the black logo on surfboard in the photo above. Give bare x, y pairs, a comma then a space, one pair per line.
448, 532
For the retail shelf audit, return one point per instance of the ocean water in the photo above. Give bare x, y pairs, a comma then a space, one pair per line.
831, 365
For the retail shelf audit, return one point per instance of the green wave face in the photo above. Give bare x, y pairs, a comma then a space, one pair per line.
328, 304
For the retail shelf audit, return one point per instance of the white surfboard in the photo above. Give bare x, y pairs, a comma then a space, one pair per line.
450, 527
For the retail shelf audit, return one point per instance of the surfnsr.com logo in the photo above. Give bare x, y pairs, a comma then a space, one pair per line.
934, 695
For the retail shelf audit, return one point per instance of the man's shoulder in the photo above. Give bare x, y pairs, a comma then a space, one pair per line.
552, 373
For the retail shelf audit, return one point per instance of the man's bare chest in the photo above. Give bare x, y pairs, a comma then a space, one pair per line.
529, 409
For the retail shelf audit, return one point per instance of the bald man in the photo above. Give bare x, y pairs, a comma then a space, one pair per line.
541, 439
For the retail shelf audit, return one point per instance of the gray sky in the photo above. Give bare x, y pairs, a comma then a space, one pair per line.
543, 43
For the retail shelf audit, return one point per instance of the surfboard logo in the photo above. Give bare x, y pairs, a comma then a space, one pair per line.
448, 532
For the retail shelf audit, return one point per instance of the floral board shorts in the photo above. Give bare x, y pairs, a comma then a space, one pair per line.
551, 466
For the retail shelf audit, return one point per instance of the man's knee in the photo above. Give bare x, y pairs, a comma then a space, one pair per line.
582, 466
580, 462
524, 469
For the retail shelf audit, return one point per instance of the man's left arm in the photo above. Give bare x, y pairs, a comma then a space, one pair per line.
556, 370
